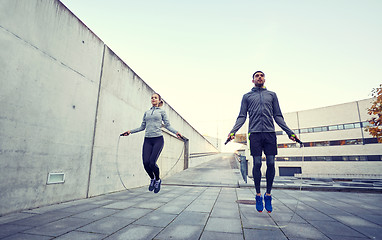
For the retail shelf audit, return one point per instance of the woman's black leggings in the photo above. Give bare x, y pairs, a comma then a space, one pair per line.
152, 147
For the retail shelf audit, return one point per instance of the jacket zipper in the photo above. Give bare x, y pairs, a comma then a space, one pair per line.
262, 109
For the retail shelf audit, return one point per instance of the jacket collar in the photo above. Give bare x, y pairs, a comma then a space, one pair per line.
258, 88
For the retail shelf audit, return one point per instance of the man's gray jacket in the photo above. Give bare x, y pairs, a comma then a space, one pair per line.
262, 107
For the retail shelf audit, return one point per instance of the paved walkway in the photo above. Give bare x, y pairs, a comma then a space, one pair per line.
203, 203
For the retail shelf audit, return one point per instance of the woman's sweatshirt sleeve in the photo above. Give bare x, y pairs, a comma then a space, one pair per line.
142, 127
167, 123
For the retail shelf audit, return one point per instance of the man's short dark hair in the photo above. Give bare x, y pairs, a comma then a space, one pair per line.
253, 76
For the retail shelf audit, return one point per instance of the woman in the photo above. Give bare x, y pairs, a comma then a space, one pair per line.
153, 143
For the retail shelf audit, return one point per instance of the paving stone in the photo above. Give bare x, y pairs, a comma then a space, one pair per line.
189, 232
373, 232
95, 214
230, 225
156, 219
191, 218
335, 237
282, 218
120, 205
207, 235
102, 202
336, 229
170, 208
258, 220
377, 219
81, 235
135, 232
133, 212
10, 229
107, 225
354, 221
200, 206
24, 236
222, 213
15, 217
307, 215
79, 208
45, 209
40, 219
149, 204
227, 205
303, 231
59, 227
256, 234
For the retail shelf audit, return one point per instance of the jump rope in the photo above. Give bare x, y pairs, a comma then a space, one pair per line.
228, 140
117, 165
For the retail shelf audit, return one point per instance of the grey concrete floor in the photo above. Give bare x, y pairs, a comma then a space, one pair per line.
205, 202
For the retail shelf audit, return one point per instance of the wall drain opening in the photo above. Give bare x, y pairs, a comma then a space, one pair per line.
54, 178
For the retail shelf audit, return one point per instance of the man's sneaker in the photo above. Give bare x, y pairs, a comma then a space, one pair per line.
259, 203
157, 186
268, 203
151, 186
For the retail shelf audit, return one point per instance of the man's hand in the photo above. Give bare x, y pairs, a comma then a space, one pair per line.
293, 137
230, 137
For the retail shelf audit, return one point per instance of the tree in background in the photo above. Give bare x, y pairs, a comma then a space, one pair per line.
376, 111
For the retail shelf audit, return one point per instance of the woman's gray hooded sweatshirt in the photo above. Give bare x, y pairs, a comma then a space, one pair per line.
152, 122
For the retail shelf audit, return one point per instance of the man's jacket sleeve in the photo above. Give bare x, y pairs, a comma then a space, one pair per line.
278, 116
242, 115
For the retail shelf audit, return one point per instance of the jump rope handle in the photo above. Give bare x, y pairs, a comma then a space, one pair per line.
229, 138
297, 140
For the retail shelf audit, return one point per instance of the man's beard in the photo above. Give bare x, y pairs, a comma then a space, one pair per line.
259, 85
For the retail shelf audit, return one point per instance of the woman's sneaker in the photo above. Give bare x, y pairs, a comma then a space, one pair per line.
151, 186
157, 186
259, 203
268, 202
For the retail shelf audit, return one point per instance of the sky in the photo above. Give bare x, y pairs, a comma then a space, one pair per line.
200, 55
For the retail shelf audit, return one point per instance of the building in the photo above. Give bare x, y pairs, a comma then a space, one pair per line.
335, 143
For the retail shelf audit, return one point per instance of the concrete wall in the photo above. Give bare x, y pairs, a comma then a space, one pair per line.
64, 99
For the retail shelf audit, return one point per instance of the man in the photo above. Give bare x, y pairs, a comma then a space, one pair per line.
262, 107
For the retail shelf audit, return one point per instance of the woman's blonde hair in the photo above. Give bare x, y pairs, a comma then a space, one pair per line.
160, 104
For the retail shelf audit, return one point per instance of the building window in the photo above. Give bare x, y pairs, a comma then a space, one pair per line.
332, 158
366, 124
304, 130
354, 158
374, 158
331, 143
349, 126
336, 158
370, 140
334, 127
353, 141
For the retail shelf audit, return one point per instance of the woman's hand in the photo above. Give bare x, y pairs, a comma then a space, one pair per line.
179, 135
125, 134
